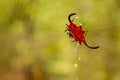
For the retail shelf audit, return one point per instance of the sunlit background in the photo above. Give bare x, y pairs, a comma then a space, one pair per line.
34, 46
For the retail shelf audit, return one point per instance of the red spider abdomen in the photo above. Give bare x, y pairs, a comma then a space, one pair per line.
77, 32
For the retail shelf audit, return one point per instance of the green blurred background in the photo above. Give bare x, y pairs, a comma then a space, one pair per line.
34, 46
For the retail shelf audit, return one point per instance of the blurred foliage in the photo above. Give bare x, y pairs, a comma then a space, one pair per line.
33, 45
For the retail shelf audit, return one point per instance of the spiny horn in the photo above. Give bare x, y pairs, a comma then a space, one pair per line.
90, 46
69, 17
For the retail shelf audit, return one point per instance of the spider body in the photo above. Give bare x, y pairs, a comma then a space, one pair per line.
77, 32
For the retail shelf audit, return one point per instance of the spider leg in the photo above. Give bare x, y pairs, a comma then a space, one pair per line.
85, 33
73, 41
67, 30
70, 35
67, 33
67, 25
80, 43
80, 27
